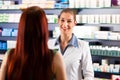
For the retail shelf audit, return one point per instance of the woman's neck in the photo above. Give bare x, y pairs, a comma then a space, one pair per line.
65, 38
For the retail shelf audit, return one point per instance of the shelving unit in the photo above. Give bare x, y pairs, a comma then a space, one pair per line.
83, 19
111, 60
104, 75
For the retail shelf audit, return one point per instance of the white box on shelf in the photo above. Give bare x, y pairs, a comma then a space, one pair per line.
11, 44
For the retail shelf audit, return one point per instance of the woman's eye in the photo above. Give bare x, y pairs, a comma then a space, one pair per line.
62, 20
69, 21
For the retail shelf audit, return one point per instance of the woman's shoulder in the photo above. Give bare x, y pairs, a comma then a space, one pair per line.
53, 52
57, 58
82, 42
7, 53
58, 67
56, 54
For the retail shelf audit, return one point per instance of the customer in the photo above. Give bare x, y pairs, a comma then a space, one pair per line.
31, 59
76, 52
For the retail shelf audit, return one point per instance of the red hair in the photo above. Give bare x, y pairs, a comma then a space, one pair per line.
31, 57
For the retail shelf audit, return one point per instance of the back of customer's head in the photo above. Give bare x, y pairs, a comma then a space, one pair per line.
30, 60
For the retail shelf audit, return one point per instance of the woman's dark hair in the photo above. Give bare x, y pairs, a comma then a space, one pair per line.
30, 60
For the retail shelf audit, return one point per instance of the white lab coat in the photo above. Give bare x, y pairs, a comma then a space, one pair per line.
76, 59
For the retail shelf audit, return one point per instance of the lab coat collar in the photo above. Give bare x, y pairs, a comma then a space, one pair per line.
72, 42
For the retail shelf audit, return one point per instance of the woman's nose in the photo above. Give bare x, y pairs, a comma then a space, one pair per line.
65, 25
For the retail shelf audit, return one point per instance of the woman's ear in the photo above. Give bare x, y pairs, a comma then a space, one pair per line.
75, 22
58, 20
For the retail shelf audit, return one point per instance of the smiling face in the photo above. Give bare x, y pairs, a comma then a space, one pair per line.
66, 23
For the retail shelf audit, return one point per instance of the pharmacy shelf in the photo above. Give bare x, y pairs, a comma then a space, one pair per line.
108, 73
111, 59
1, 57
92, 39
107, 56
99, 24
2, 52
8, 25
51, 26
109, 10
105, 74
10, 11
5, 38
110, 42
102, 42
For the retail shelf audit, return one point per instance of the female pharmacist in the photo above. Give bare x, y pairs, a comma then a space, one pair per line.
76, 52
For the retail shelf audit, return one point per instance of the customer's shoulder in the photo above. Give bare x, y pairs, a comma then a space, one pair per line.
54, 53
57, 58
